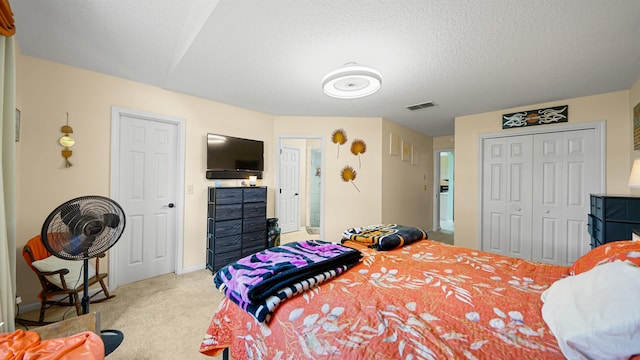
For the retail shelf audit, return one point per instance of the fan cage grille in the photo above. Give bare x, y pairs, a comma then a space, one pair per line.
83, 228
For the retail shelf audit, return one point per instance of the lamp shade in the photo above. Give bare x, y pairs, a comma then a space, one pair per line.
351, 82
634, 178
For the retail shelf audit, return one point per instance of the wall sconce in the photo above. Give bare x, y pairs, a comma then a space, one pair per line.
634, 178
252, 180
67, 142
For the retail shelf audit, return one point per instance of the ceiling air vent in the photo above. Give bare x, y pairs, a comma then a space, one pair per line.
424, 105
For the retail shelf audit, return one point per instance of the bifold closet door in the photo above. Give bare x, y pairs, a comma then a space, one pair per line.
564, 176
535, 195
507, 209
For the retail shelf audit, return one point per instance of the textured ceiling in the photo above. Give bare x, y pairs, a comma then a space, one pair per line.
466, 56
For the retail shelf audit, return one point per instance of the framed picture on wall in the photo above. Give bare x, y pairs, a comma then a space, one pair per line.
636, 127
415, 156
406, 151
17, 124
394, 144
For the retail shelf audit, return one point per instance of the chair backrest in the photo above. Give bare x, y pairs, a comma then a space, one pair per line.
34, 250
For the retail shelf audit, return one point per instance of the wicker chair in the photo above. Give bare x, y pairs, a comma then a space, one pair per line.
66, 294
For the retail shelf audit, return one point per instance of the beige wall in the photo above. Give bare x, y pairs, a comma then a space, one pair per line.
344, 205
613, 107
444, 142
407, 189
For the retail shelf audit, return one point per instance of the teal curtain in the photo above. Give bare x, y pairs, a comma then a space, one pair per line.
7, 184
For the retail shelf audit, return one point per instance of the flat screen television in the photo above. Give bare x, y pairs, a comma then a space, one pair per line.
231, 157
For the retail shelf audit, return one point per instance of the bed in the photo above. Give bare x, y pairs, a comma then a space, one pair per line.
421, 300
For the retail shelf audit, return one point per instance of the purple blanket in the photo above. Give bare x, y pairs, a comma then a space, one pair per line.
258, 276
264, 309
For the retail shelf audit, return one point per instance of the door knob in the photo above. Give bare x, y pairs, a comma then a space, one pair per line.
296, 194
170, 205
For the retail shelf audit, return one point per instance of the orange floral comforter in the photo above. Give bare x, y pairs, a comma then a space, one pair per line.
426, 300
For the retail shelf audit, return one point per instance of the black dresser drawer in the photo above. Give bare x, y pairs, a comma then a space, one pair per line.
228, 196
255, 194
618, 231
228, 212
595, 227
622, 209
210, 260
221, 260
227, 228
254, 210
596, 206
227, 244
258, 238
254, 224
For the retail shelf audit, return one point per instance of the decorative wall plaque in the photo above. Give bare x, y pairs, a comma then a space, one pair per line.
556, 114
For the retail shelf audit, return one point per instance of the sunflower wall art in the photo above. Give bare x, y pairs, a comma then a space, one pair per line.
349, 175
339, 137
358, 147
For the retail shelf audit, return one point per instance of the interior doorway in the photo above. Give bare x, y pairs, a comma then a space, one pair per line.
444, 181
309, 200
152, 243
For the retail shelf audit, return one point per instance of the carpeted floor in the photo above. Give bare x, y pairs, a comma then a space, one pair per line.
165, 317
162, 318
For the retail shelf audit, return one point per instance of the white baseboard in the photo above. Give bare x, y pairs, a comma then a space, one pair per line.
192, 269
36, 306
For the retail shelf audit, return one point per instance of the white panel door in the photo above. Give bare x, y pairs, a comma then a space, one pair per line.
564, 164
289, 210
147, 183
507, 172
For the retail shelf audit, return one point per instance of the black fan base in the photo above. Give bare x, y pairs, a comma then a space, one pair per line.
111, 339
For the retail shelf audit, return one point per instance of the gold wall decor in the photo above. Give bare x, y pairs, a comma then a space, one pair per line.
67, 142
349, 175
358, 147
339, 137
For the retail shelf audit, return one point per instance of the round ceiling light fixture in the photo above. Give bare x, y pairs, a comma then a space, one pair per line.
351, 82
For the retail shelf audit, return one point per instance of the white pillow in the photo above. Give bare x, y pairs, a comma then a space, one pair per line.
74, 278
594, 315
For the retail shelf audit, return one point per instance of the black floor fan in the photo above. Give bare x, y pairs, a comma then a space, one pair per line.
81, 229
